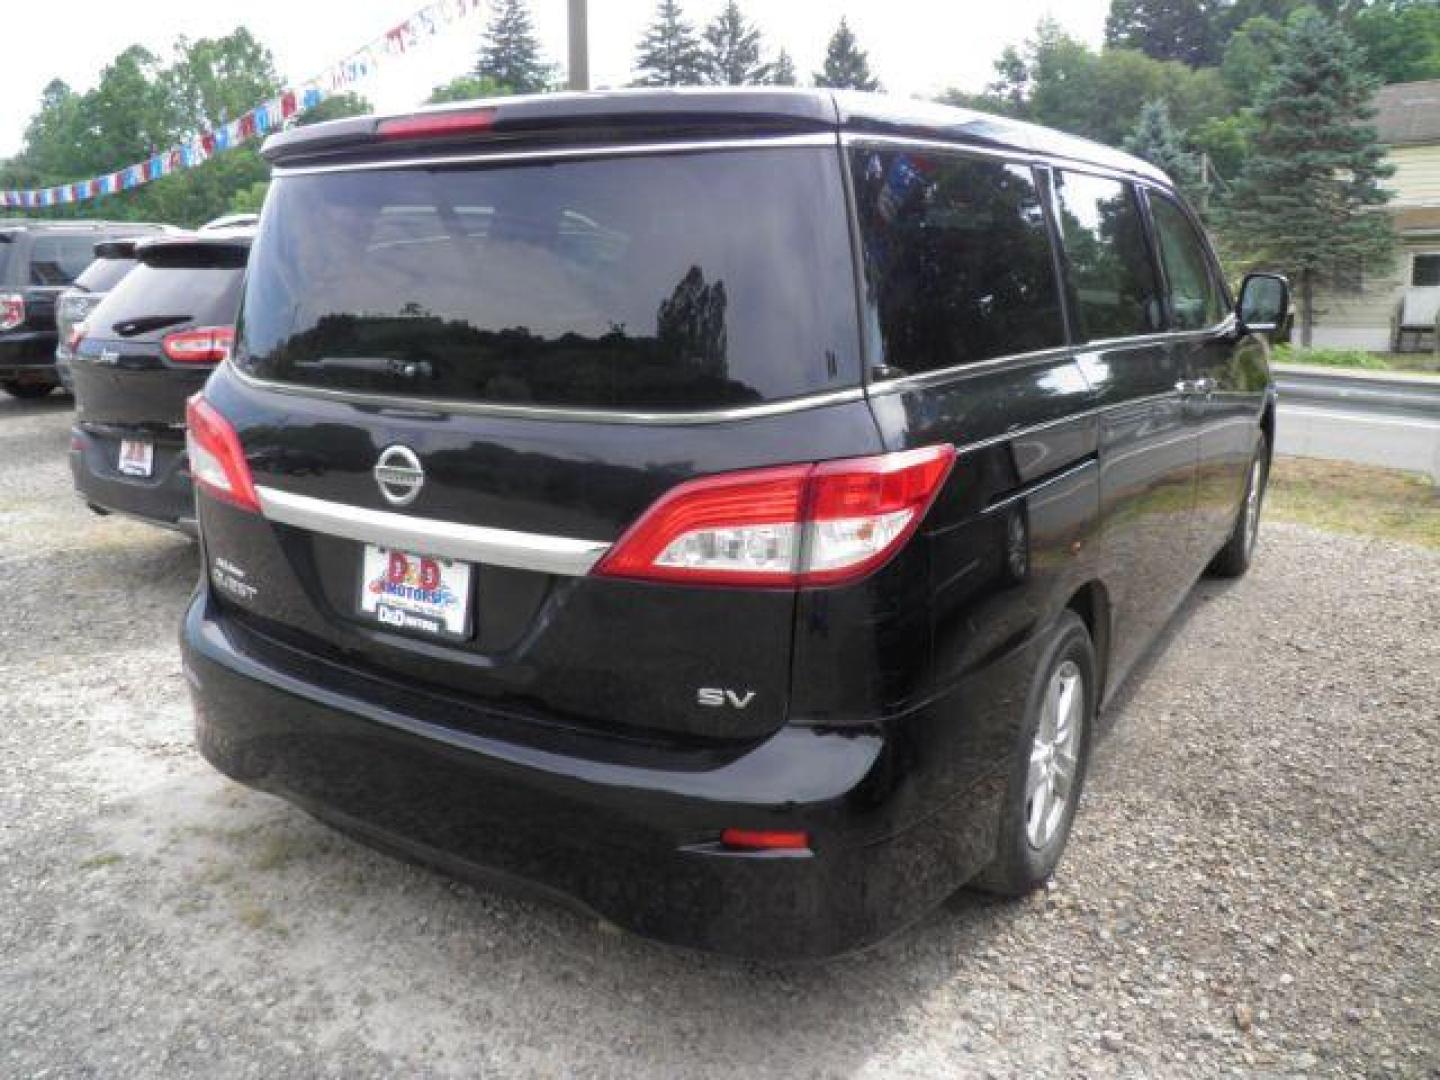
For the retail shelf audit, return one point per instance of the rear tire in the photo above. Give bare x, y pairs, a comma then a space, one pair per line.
1235, 557
26, 391
1051, 754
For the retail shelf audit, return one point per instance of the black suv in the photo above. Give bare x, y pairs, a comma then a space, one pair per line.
38, 261
727, 510
149, 345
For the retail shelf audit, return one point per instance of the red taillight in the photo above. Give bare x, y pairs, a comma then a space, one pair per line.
764, 840
217, 461
203, 345
436, 125
12, 310
77, 335
789, 526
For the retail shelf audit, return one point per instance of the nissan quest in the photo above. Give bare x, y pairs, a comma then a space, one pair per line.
725, 511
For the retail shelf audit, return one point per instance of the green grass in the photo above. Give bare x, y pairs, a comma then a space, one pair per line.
1422, 362
1341, 497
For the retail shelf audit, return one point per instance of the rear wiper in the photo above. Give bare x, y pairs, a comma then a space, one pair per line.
131, 327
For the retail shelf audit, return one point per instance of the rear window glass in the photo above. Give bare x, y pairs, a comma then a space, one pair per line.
102, 275
153, 298
958, 263
5, 246
655, 281
57, 259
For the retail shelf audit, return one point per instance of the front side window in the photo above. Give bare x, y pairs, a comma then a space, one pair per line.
1194, 295
59, 259
1426, 270
657, 281
958, 266
1111, 272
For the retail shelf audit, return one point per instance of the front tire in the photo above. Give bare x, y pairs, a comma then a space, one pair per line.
1050, 759
1234, 558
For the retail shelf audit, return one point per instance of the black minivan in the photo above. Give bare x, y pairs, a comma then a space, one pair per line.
726, 510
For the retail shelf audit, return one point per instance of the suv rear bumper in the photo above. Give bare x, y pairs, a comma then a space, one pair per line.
636, 843
163, 498
28, 356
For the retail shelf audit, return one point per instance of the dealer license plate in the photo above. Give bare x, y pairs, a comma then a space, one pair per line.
137, 457
419, 593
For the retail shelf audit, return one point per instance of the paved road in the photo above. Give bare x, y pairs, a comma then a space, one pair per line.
1356, 433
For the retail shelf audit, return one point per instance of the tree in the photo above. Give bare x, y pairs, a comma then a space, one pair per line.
669, 53
1305, 200
1249, 56
1184, 30
509, 51
466, 88
1401, 40
846, 65
1157, 140
732, 49
215, 79
782, 71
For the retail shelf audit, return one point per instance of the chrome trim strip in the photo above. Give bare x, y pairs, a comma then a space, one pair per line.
447, 539
899, 383
396, 402
818, 138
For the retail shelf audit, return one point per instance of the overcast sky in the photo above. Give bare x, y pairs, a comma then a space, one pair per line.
915, 46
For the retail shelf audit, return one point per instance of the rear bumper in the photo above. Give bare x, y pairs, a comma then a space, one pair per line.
164, 498
28, 356
634, 841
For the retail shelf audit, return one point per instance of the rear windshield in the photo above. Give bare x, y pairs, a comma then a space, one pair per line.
58, 258
654, 281
151, 300
102, 275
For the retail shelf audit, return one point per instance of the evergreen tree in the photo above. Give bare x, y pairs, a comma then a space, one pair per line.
846, 65
1304, 200
732, 49
1184, 30
670, 53
509, 52
782, 71
1158, 141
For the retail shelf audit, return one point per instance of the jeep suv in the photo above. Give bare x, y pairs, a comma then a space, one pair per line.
38, 261
726, 510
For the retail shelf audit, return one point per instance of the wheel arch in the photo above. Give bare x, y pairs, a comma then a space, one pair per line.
1091, 602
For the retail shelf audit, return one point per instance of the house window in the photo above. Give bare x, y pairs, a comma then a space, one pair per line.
1425, 270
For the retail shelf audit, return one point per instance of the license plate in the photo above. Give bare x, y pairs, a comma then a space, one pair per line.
137, 457
421, 593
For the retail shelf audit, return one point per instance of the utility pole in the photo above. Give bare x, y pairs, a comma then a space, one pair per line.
579, 46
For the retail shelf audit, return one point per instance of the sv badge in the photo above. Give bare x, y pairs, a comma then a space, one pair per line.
716, 698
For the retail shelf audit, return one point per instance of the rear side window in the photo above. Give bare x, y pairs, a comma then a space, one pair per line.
663, 281
1194, 294
151, 298
1108, 257
1426, 269
958, 266
57, 259
102, 275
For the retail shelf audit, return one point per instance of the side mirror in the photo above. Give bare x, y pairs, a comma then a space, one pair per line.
1264, 306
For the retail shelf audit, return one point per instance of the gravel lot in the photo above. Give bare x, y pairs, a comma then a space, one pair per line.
1251, 889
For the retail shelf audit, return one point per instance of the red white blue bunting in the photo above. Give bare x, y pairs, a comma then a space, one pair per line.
428, 22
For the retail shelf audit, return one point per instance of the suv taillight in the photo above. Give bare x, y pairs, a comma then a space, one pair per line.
794, 525
203, 345
217, 461
12, 310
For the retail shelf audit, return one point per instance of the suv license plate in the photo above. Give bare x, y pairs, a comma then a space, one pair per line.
424, 594
137, 457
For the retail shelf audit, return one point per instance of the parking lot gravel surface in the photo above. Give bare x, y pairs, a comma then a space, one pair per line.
1251, 888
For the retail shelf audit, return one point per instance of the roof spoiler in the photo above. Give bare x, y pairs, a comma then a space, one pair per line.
228, 249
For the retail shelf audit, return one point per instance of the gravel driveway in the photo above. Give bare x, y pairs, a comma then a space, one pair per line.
1251, 888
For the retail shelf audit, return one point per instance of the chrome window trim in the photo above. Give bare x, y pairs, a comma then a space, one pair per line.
447, 539
554, 412
899, 383
819, 138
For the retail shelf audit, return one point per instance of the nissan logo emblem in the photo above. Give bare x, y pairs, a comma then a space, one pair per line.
399, 475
